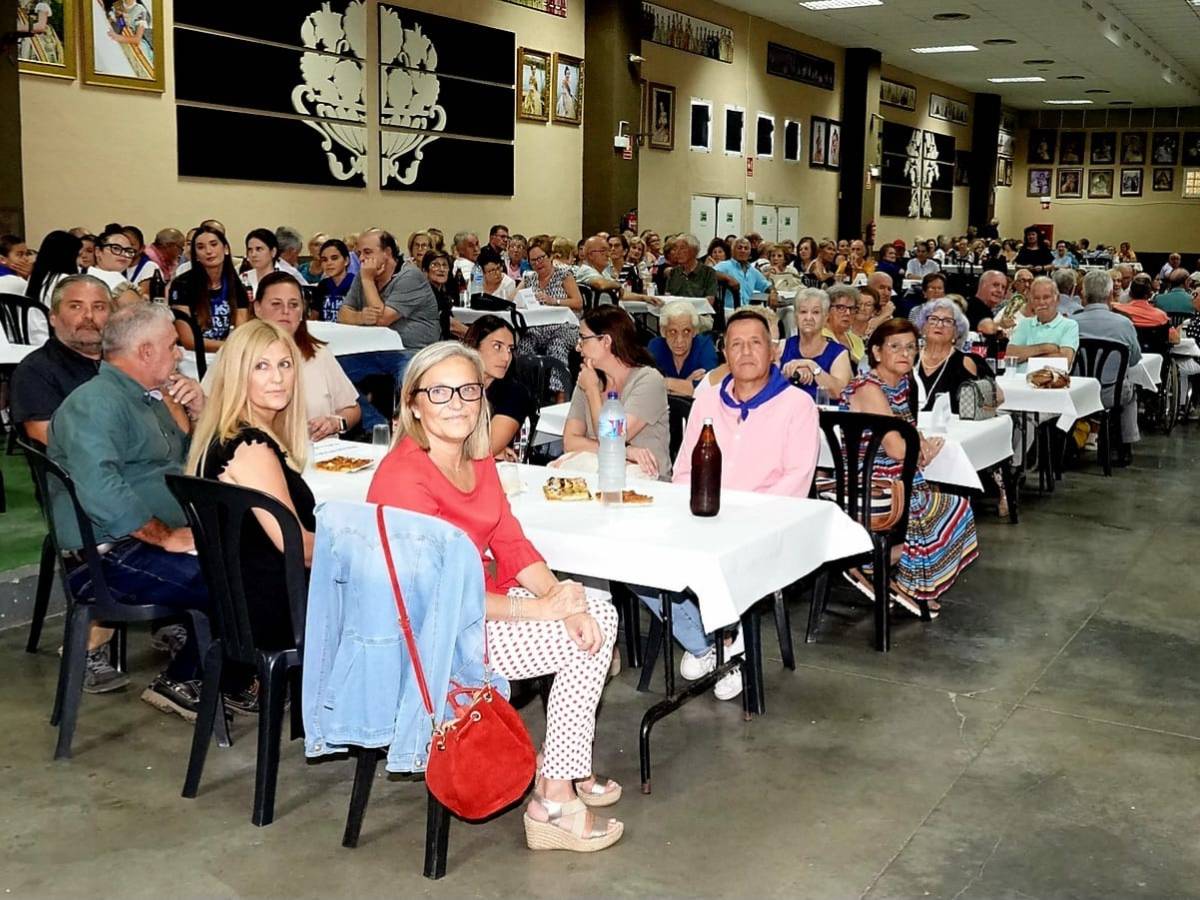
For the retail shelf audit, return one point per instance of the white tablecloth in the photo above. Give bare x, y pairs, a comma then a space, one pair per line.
543, 315
343, 340
758, 544
1148, 372
1081, 399
553, 419
1186, 347
640, 307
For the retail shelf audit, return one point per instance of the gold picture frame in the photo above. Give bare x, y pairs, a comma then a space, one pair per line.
136, 64
567, 105
533, 99
53, 50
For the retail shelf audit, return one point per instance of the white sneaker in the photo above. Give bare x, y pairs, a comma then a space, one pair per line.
730, 686
695, 667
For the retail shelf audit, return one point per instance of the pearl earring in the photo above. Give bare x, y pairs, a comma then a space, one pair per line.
416, 415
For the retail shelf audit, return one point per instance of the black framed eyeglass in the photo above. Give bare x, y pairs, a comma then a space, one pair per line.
589, 337
119, 250
440, 394
940, 320
842, 307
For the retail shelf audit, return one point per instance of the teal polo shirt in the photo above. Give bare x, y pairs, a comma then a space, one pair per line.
1060, 331
1174, 301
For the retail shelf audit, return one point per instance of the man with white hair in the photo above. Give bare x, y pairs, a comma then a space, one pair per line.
1047, 332
1065, 283
1124, 272
466, 250
118, 436
688, 278
1097, 321
740, 273
1174, 261
290, 242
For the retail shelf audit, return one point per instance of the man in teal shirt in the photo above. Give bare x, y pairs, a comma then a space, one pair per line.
118, 436
1175, 299
1047, 332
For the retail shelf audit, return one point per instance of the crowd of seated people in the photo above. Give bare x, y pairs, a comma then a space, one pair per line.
864, 329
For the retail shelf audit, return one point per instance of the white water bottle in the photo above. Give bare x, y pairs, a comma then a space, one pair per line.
612, 449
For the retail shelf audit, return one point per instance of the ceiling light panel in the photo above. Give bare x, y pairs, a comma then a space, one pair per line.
838, 4
1068, 102
949, 48
1017, 79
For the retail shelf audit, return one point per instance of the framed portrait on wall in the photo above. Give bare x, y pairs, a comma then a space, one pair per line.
1042, 143
1038, 182
1163, 180
567, 106
47, 37
662, 116
1008, 173
999, 171
1100, 184
1131, 182
1164, 148
1191, 148
123, 44
1070, 183
1104, 148
533, 70
833, 155
1133, 148
817, 142
1070, 148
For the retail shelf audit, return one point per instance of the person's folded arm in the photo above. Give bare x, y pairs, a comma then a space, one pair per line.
574, 299
575, 437
1027, 351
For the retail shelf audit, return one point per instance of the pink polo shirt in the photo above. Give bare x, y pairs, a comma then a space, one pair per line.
774, 451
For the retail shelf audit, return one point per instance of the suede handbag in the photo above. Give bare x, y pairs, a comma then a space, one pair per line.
481, 760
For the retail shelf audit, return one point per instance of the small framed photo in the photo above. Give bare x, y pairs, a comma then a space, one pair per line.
1008, 172
1191, 148
1070, 148
1100, 184
1162, 180
568, 89
534, 97
1039, 182
123, 44
817, 142
962, 168
1104, 148
1042, 143
999, 171
47, 38
1070, 183
833, 154
1164, 148
662, 116
1131, 182
1133, 148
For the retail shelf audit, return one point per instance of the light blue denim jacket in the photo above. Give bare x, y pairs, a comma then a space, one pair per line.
359, 687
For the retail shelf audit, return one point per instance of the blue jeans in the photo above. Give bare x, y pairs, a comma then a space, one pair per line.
143, 573
685, 618
360, 366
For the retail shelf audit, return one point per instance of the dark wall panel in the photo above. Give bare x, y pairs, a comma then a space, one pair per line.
458, 107
217, 143
446, 45
448, 165
298, 23
265, 77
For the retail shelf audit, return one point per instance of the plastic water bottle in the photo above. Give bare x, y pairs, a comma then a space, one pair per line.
476, 281
612, 449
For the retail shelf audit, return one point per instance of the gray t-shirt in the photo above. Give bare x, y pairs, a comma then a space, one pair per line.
645, 396
409, 294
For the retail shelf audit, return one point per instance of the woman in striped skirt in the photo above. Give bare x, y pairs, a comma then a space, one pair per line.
941, 540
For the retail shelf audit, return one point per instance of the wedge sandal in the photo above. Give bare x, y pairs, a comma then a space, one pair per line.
578, 838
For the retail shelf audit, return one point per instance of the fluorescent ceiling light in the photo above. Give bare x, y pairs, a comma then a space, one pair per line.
1068, 102
1017, 79
951, 48
838, 4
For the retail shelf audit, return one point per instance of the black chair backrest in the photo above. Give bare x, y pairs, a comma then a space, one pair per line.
47, 471
678, 409
608, 295
1155, 339
855, 443
197, 340
217, 513
1178, 318
736, 292
589, 296
14, 316
534, 372
1100, 359
491, 303
810, 280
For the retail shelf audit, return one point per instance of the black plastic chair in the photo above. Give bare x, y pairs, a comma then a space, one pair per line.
41, 596
1176, 319
197, 340
14, 316
1094, 359
217, 513
534, 372
103, 606
589, 296
846, 433
678, 410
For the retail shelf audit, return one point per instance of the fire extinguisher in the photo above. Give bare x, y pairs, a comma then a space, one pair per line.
629, 221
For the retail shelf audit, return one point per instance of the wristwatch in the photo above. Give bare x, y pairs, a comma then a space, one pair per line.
341, 424
817, 370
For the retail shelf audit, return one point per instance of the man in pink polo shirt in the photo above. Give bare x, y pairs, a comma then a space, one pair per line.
769, 433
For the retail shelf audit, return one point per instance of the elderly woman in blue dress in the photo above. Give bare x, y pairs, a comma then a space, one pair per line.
809, 358
681, 353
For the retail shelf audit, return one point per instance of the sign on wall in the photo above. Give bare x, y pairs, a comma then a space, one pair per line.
672, 28
795, 65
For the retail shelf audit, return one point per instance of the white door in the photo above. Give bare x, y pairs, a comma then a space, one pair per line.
766, 222
788, 223
704, 220
729, 216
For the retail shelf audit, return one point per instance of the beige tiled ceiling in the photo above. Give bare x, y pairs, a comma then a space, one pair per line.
1120, 46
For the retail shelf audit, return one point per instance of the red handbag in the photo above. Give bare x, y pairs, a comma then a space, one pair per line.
482, 760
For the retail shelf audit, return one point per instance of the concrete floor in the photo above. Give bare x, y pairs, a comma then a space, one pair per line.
1039, 740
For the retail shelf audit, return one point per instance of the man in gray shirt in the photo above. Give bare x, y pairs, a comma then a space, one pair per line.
1064, 281
384, 294
1097, 320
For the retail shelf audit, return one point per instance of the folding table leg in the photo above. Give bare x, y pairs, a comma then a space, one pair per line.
753, 702
437, 838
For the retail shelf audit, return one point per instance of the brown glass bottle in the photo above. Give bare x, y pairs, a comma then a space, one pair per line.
706, 473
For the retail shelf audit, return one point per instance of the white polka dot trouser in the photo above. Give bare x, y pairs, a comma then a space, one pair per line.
529, 649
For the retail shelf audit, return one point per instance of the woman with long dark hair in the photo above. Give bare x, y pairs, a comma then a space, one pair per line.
262, 253
210, 291
614, 360
57, 258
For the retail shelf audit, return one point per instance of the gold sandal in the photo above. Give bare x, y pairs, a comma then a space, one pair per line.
598, 794
578, 838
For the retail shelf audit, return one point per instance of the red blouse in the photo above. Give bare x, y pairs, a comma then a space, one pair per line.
408, 479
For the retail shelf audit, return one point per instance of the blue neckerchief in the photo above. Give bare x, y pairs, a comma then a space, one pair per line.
5, 270
776, 385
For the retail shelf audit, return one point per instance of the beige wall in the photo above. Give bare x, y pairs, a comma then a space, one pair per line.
1154, 221
888, 228
668, 179
94, 155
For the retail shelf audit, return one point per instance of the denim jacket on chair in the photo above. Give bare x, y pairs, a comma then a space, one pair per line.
359, 688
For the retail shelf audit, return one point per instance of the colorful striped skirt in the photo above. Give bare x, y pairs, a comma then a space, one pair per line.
940, 543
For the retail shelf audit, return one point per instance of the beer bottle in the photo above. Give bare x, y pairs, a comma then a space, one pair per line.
706, 473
